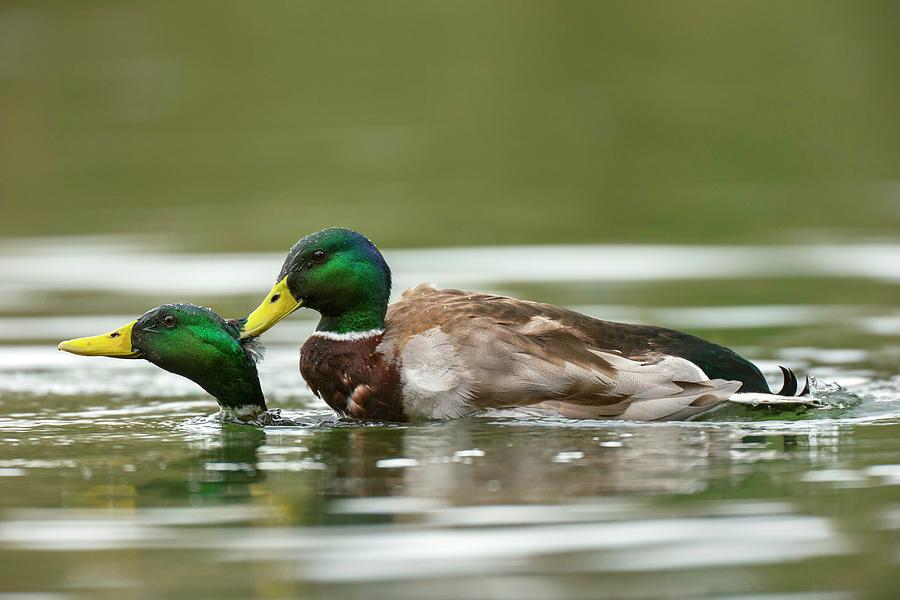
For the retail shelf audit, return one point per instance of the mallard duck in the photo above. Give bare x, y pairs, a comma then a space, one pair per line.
441, 354
191, 341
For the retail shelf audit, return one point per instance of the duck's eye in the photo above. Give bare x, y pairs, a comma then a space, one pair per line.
318, 256
169, 321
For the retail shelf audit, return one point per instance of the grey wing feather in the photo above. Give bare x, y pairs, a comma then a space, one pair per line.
466, 352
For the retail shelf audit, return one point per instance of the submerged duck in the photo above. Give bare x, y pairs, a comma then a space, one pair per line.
441, 354
191, 341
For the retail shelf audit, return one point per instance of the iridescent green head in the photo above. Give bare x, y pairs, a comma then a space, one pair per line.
191, 341
337, 272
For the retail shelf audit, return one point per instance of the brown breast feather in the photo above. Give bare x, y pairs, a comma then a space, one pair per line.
353, 377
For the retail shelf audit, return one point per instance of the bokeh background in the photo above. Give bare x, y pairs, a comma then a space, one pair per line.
238, 125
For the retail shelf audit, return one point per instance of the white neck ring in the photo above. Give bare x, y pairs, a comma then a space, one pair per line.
351, 336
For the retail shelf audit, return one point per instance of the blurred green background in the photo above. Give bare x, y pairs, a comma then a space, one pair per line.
241, 125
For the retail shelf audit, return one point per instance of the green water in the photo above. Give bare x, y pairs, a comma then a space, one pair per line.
233, 126
115, 482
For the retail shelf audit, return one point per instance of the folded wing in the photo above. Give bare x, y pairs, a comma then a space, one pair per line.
462, 353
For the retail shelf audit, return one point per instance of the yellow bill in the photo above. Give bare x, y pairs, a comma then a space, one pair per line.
116, 343
278, 304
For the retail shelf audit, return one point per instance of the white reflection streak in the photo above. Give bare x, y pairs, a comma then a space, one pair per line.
383, 553
73, 267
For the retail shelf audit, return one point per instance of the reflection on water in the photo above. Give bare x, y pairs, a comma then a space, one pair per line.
114, 481
467, 509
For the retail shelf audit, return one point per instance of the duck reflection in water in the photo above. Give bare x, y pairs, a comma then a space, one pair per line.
226, 473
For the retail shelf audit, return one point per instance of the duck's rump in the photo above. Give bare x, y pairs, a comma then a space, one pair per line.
462, 351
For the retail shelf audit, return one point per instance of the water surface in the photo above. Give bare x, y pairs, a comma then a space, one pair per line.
114, 482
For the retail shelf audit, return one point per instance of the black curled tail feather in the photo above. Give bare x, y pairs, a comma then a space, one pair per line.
790, 384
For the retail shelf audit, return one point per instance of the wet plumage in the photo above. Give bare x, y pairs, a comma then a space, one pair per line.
441, 354
453, 353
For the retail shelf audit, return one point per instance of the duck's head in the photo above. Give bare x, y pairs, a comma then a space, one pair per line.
337, 272
191, 341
